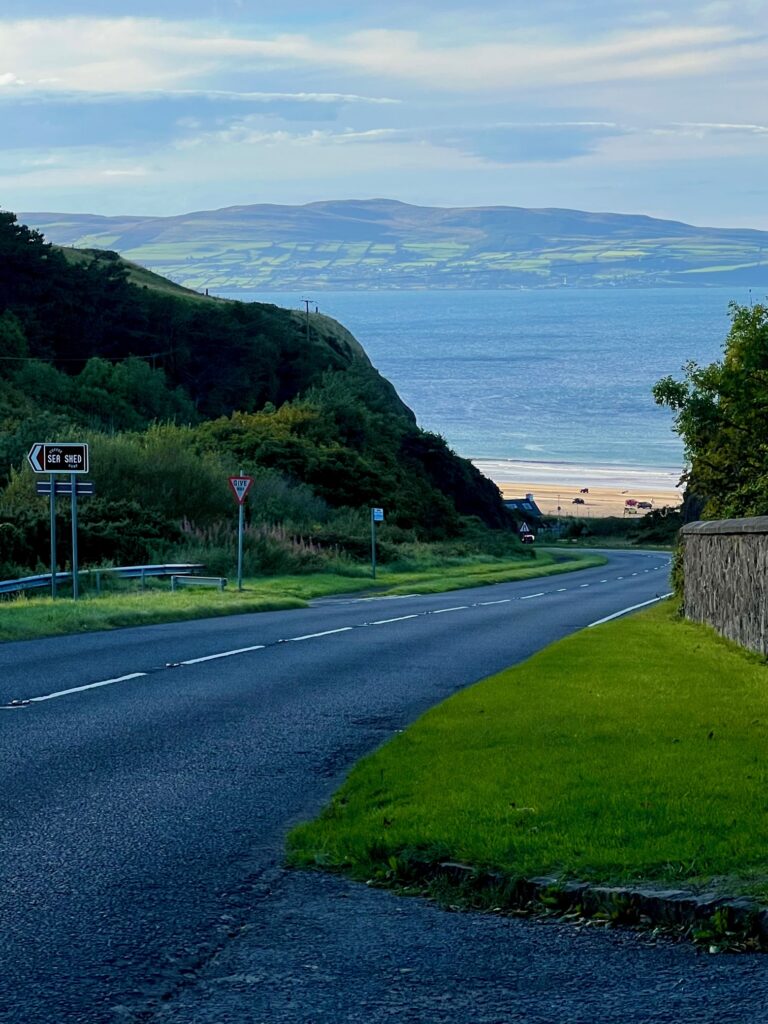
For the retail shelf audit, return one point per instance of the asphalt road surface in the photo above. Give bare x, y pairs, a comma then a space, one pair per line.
148, 784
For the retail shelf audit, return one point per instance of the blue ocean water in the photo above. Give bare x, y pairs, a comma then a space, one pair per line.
550, 376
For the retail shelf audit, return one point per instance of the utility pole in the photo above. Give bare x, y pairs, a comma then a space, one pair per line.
306, 303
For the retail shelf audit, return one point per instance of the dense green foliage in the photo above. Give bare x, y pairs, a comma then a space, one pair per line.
177, 392
721, 413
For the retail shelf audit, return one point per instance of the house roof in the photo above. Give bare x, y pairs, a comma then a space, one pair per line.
525, 507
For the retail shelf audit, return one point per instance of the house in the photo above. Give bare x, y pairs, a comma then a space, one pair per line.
525, 510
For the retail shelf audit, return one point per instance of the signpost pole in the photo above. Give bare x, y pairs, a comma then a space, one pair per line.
75, 581
240, 529
52, 478
373, 546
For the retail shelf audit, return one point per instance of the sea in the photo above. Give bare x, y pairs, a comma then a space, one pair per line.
550, 385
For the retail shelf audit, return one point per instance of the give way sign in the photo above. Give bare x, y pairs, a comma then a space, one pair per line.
241, 485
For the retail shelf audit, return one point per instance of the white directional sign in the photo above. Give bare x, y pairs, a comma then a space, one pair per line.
377, 514
241, 485
55, 457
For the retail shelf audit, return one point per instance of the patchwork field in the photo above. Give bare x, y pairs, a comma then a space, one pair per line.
383, 244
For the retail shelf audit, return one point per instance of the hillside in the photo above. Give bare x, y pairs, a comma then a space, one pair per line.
386, 244
176, 391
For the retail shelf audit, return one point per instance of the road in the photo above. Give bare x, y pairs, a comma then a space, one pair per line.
148, 784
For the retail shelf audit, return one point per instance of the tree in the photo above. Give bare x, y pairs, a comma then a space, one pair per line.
721, 413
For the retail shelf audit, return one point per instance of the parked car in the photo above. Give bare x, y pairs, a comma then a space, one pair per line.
630, 503
577, 501
645, 504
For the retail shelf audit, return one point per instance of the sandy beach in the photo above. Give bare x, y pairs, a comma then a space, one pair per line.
554, 487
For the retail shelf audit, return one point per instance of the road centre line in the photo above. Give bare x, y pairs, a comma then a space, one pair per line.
383, 622
223, 654
89, 686
311, 636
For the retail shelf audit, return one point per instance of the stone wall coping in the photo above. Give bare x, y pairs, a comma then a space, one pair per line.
756, 524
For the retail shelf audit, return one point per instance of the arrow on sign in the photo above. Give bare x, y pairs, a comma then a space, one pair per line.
34, 457
240, 485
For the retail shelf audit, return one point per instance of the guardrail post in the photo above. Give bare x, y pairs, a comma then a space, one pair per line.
173, 584
98, 584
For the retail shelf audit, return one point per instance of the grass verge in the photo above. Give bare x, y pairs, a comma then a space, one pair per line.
632, 753
27, 618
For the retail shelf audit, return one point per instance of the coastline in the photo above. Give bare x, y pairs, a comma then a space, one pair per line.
554, 486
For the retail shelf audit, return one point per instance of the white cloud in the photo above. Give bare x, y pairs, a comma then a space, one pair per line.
125, 172
141, 54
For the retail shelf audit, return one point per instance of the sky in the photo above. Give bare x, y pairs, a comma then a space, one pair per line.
164, 107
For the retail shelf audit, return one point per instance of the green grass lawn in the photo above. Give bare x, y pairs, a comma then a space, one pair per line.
633, 752
26, 618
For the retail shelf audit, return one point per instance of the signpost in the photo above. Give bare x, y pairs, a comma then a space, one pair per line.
82, 487
53, 457
240, 486
527, 536
377, 516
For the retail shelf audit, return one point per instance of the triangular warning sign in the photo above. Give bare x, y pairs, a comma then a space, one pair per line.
524, 528
240, 485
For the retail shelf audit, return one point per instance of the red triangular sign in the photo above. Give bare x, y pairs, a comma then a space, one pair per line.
240, 485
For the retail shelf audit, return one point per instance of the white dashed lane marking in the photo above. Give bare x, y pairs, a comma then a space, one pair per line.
313, 636
90, 686
223, 654
327, 632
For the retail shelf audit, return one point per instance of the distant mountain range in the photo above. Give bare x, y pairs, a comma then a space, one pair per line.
380, 243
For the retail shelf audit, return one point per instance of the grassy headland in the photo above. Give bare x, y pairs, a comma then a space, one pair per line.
632, 752
176, 393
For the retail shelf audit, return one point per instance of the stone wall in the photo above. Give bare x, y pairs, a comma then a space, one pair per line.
726, 578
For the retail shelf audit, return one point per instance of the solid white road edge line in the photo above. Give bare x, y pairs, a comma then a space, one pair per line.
89, 686
624, 611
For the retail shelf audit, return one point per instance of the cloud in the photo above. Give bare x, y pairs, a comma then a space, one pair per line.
497, 143
143, 54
